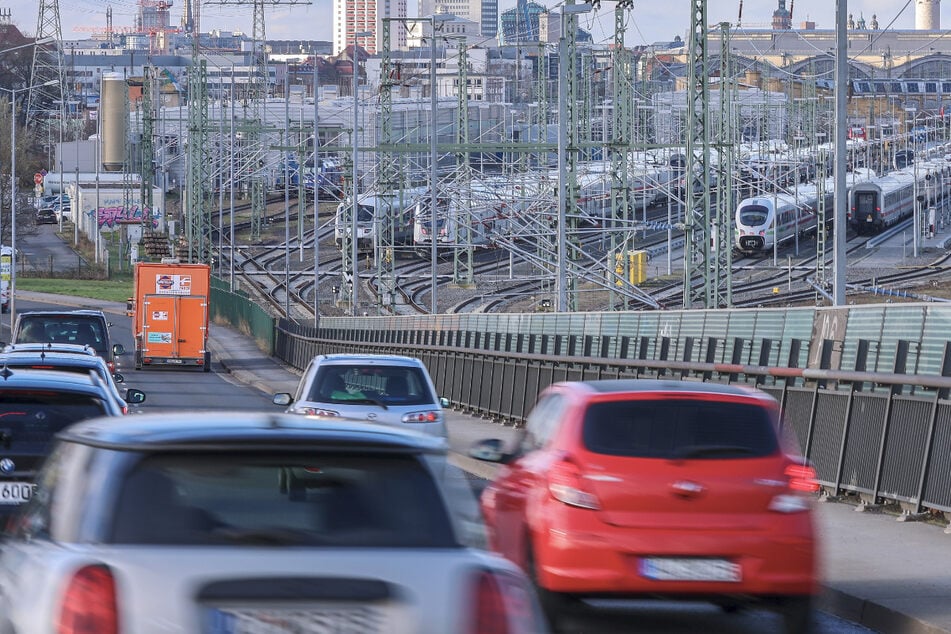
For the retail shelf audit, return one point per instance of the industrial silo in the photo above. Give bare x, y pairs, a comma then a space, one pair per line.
113, 121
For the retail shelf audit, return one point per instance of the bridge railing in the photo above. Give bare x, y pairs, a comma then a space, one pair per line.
865, 391
867, 433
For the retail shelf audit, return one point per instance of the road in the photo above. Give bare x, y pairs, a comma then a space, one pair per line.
177, 389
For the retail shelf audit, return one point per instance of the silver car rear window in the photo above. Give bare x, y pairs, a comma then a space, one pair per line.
281, 499
390, 385
679, 429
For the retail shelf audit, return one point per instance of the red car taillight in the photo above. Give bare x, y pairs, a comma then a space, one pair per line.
489, 606
800, 479
565, 485
89, 605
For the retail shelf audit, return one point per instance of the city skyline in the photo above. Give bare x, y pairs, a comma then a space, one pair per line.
649, 22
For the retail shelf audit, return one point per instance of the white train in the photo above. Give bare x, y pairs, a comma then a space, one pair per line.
477, 212
372, 209
761, 222
881, 202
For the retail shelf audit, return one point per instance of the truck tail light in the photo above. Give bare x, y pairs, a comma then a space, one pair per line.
565, 485
89, 604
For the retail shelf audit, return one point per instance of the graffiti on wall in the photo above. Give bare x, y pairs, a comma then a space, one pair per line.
111, 216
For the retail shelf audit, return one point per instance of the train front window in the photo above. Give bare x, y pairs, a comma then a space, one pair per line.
753, 215
364, 213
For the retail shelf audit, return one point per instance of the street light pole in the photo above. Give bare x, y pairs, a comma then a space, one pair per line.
13, 195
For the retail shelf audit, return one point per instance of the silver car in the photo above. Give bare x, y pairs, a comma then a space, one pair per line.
389, 389
238, 522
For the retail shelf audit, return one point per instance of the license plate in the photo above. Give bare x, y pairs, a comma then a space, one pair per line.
174, 361
15, 492
323, 620
690, 569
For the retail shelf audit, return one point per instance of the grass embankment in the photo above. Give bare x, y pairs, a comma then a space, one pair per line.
106, 290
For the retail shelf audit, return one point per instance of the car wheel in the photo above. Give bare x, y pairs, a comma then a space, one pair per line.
554, 604
207, 365
796, 612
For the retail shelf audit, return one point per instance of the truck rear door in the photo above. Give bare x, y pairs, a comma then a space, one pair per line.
192, 319
174, 326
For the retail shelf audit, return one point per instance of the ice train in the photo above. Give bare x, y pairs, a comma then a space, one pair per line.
765, 221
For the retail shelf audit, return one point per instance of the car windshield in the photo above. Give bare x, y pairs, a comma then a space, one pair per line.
62, 329
281, 499
679, 429
30, 418
389, 385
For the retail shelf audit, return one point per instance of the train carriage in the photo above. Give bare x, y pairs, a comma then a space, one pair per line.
373, 209
883, 201
763, 222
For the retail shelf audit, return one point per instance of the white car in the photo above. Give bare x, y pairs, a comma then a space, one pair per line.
378, 388
237, 522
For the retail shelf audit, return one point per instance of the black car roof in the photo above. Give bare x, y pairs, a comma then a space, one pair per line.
253, 430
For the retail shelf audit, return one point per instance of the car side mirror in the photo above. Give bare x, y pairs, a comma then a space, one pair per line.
444, 401
118, 378
118, 348
134, 396
283, 399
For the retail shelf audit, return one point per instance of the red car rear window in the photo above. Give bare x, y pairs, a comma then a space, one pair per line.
679, 429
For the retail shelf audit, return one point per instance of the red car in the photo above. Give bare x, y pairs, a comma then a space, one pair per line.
652, 488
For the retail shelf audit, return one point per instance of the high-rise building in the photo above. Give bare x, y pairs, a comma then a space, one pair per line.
355, 16
485, 13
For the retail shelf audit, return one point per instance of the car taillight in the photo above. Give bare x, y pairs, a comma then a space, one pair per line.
316, 411
431, 416
489, 606
800, 479
89, 605
564, 484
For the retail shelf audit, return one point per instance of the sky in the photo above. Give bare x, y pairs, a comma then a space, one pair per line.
650, 21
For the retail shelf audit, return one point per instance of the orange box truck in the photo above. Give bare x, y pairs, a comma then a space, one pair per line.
169, 313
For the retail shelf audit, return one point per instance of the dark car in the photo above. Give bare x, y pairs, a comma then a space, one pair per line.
35, 405
78, 362
79, 327
46, 217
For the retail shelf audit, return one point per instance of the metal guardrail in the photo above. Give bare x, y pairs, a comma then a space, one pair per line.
884, 437
880, 446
